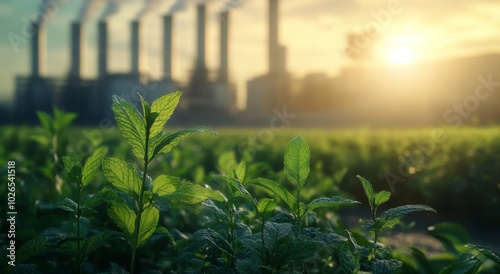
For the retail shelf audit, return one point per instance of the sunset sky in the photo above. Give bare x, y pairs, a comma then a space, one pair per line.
313, 31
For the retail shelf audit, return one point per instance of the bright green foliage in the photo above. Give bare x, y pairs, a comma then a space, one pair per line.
297, 157
164, 106
131, 125
144, 134
372, 255
92, 165
123, 176
58, 122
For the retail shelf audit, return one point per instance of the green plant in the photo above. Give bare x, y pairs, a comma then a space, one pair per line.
54, 126
137, 213
279, 242
374, 257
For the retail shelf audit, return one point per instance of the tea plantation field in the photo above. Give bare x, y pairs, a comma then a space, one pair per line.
454, 171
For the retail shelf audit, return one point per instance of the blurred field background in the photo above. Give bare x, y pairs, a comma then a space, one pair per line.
458, 174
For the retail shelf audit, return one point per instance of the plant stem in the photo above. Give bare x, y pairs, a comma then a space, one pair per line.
140, 204
299, 216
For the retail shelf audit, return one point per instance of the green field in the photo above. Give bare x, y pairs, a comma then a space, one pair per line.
455, 171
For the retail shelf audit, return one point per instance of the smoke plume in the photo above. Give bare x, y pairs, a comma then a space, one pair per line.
149, 6
112, 7
89, 7
178, 5
46, 9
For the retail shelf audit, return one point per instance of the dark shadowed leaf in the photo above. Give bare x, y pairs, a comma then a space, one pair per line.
67, 204
73, 168
215, 239
327, 202
393, 216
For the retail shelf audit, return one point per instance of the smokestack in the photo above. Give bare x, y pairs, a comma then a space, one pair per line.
224, 32
102, 67
76, 50
273, 36
200, 61
167, 47
37, 50
135, 48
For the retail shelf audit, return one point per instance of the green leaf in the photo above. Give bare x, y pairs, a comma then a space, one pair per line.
189, 193
274, 232
165, 184
266, 207
39, 245
149, 221
93, 243
297, 157
218, 212
327, 202
368, 191
381, 197
92, 165
131, 124
67, 204
164, 143
393, 216
488, 253
239, 171
452, 236
469, 266
122, 175
124, 218
164, 106
214, 238
349, 260
46, 121
62, 119
385, 266
278, 190
73, 168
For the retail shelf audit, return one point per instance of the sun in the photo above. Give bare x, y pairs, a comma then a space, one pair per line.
400, 55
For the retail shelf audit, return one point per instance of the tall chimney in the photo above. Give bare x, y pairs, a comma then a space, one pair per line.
200, 60
135, 48
273, 37
76, 50
224, 32
102, 61
37, 50
167, 47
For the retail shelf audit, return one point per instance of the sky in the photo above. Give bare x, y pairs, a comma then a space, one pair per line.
314, 32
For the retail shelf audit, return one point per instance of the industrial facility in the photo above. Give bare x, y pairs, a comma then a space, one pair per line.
91, 99
383, 95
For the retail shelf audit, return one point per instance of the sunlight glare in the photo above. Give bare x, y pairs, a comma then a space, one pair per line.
401, 55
